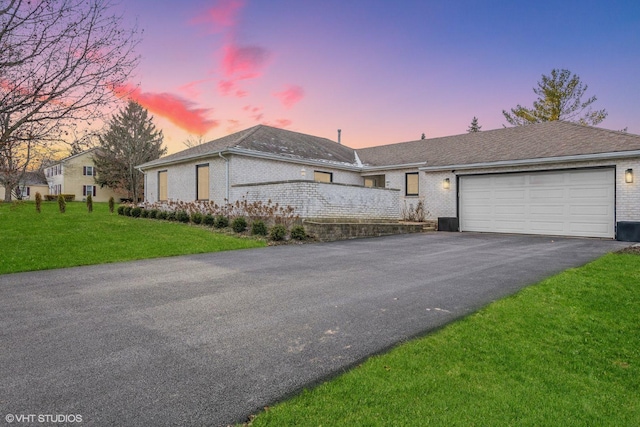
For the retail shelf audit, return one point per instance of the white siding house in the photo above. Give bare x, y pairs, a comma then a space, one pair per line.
322, 178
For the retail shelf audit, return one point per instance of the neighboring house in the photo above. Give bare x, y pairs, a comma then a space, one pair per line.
76, 175
30, 184
553, 178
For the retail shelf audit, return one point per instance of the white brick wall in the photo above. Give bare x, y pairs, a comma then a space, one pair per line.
321, 200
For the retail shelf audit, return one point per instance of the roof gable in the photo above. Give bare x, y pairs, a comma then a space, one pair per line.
271, 141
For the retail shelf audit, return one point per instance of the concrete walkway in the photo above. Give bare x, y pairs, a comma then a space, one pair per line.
209, 339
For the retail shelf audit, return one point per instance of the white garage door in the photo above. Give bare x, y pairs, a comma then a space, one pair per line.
567, 202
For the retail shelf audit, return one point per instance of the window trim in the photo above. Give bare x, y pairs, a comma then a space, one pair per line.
167, 185
323, 173
406, 184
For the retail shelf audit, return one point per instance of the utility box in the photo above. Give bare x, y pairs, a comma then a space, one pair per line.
446, 223
628, 231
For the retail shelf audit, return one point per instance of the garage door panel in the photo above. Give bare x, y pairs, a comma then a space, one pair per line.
508, 194
510, 209
546, 194
546, 209
547, 227
565, 202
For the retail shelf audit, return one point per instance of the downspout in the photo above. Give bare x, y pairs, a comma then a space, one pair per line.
226, 174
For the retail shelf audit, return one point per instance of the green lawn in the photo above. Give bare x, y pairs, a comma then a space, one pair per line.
565, 352
32, 241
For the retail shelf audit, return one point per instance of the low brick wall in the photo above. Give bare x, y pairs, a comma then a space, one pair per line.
329, 231
321, 200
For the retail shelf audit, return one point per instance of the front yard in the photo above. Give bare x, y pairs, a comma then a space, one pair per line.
564, 352
50, 239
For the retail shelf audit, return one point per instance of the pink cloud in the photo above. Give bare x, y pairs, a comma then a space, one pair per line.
221, 16
290, 96
191, 88
243, 62
283, 123
175, 109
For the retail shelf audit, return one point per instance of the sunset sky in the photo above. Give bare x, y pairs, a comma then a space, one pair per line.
382, 71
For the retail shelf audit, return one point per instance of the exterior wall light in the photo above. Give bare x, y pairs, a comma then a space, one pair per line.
628, 176
303, 172
446, 184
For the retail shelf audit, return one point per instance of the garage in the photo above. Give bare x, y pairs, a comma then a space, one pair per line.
575, 202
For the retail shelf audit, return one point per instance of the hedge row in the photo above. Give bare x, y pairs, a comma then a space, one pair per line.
239, 224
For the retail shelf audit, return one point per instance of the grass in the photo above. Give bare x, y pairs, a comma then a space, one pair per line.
564, 352
32, 241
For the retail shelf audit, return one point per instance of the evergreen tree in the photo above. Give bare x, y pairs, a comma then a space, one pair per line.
423, 136
474, 127
131, 139
559, 98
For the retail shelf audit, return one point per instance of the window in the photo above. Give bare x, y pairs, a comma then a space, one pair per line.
162, 185
374, 181
89, 190
319, 176
411, 184
88, 171
202, 182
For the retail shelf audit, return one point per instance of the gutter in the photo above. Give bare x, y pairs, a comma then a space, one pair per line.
531, 162
226, 174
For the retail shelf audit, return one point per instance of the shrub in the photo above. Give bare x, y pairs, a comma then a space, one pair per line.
278, 232
38, 202
221, 222
298, 232
171, 216
162, 215
208, 219
144, 213
89, 203
136, 212
259, 228
153, 213
62, 205
121, 209
112, 204
182, 216
239, 224
127, 210
196, 218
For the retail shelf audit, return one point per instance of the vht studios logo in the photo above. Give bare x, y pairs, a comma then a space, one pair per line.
43, 418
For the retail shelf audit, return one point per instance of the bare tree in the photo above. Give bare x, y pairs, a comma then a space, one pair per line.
59, 61
193, 141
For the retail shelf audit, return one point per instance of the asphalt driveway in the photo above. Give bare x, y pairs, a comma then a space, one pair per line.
209, 339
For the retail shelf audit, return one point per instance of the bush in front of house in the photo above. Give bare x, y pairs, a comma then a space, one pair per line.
89, 203
298, 232
182, 216
171, 216
127, 210
162, 215
221, 221
112, 204
208, 219
278, 232
136, 212
153, 213
121, 209
239, 224
259, 228
62, 204
38, 202
196, 218
144, 213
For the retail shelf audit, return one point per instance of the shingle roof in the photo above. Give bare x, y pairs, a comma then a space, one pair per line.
270, 140
541, 140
